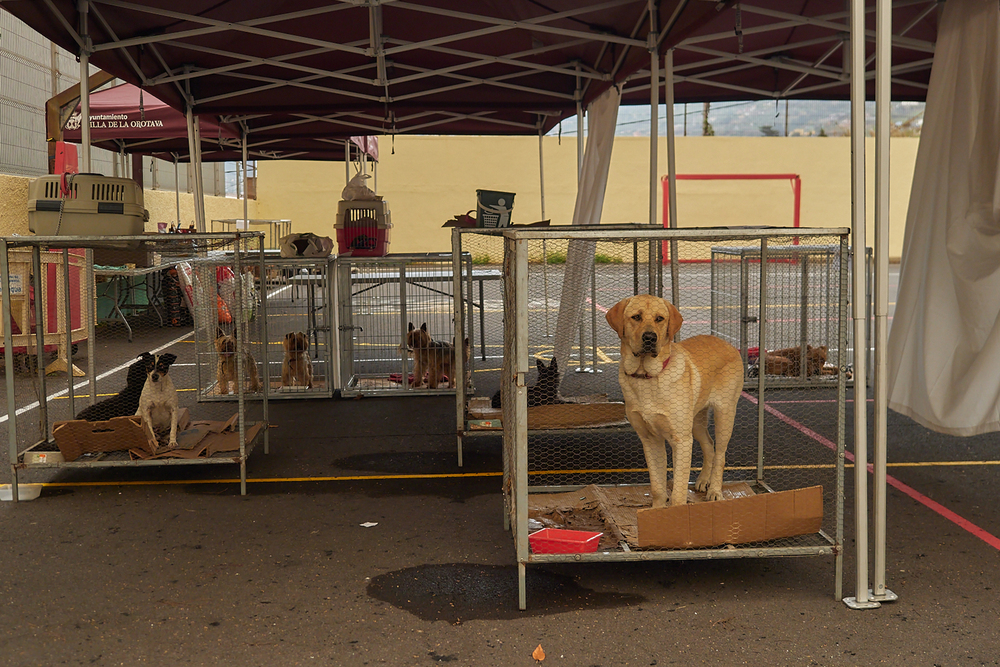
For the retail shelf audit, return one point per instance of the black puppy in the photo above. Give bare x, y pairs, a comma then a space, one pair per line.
545, 391
125, 402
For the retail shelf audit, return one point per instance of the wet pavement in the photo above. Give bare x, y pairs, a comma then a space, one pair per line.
172, 566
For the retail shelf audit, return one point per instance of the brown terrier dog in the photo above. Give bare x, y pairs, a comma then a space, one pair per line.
226, 345
788, 361
433, 358
296, 369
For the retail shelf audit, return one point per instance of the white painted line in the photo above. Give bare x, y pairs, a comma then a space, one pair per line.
32, 406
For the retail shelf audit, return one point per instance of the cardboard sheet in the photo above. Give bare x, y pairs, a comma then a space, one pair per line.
580, 412
624, 514
201, 438
77, 437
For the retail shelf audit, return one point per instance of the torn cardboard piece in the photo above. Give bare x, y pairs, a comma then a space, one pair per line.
624, 515
757, 518
215, 437
201, 438
599, 413
77, 437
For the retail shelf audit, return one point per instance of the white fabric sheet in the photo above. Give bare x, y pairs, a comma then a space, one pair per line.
944, 342
601, 120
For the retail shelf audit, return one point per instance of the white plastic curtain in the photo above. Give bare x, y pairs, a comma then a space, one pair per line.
944, 343
601, 120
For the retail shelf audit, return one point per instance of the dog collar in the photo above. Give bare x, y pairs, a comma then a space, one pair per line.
646, 376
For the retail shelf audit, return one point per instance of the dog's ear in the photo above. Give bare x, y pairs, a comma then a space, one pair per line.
554, 366
539, 365
168, 358
675, 320
411, 327
616, 316
423, 327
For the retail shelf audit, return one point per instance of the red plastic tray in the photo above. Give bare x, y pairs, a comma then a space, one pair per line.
561, 541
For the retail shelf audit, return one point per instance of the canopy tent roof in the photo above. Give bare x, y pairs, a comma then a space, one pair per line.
763, 49
335, 69
311, 68
125, 118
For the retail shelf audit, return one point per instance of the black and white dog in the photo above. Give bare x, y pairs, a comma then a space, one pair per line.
125, 402
158, 401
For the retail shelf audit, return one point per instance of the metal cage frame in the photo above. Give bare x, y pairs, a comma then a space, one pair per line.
196, 243
517, 437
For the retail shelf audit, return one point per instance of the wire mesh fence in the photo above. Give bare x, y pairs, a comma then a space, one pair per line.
586, 401
396, 324
123, 384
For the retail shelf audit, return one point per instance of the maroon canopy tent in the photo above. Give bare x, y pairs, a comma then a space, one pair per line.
127, 119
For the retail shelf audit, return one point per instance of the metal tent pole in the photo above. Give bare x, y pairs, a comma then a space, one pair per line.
654, 107
246, 197
883, 96
193, 187
85, 51
858, 231
672, 175
545, 248
177, 188
8, 343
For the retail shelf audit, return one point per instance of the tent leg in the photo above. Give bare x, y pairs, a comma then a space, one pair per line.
858, 235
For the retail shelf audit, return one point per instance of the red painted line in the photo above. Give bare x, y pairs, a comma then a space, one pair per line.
985, 536
932, 505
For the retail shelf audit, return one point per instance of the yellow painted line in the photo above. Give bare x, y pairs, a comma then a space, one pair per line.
359, 478
80, 397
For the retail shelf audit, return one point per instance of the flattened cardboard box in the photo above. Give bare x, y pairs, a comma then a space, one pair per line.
77, 437
756, 518
201, 438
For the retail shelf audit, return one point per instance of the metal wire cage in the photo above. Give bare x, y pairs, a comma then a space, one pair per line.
803, 285
573, 460
73, 393
396, 323
296, 359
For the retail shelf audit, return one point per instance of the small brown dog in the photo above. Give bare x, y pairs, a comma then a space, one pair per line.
226, 345
296, 369
788, 361
433, 358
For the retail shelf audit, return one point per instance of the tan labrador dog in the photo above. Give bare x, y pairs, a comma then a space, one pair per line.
668, 389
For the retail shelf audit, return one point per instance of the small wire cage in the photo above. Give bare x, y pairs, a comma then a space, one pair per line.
290, 352
396, 324
803, 285
74, 395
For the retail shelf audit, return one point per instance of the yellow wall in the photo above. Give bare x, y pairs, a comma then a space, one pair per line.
427, 180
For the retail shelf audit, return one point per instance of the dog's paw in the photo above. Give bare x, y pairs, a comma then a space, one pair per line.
172, 444
713, 494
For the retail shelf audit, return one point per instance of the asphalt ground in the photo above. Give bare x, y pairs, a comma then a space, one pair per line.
171, 566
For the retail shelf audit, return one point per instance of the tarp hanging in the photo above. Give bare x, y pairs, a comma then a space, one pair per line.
944, 343
601, 121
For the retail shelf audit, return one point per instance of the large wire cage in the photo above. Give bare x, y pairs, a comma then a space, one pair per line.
396, 323
142, 310
296, 361
572, 459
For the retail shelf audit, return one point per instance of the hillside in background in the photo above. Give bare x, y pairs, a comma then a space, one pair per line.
762, 118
